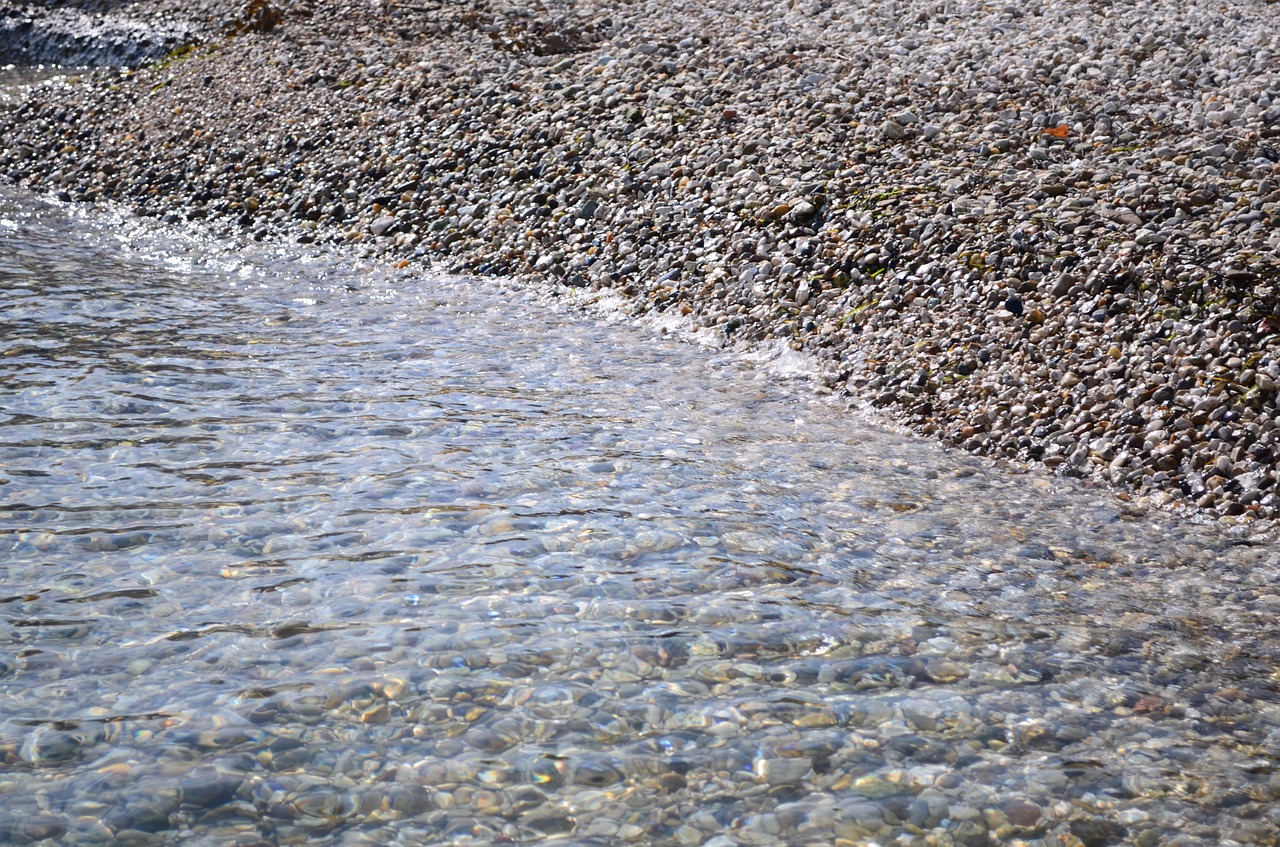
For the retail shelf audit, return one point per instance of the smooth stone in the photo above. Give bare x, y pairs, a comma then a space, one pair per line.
782, 771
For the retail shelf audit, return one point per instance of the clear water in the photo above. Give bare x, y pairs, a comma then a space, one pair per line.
295, 551
15, 80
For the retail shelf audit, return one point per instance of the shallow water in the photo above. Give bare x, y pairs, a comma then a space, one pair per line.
15, 79
296, 551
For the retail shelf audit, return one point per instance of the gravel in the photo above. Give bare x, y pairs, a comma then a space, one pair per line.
1040, 231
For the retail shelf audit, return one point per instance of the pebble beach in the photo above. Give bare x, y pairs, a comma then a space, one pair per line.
1043, 232
342, 507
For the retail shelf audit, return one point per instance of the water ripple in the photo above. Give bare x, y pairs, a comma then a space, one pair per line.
298, 551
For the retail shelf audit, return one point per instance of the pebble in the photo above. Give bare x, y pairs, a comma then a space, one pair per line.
782, 771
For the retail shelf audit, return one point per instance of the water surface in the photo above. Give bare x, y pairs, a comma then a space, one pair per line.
15, 80
298, 551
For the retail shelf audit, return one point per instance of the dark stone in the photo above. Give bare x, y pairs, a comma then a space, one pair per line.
1095, 832
208, 790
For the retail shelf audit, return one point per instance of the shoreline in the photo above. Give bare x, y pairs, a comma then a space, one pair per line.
1048, 233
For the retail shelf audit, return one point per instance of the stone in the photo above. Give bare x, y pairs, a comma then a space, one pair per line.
1021, 813
782, 771
892, 131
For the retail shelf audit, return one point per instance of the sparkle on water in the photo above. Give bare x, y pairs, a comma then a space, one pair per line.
15, 79
297, 551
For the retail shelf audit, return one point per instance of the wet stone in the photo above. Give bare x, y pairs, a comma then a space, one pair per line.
208, 790
1022, 814
15, 829
782, 771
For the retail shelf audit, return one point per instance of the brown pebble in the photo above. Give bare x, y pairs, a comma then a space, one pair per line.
1022, 813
